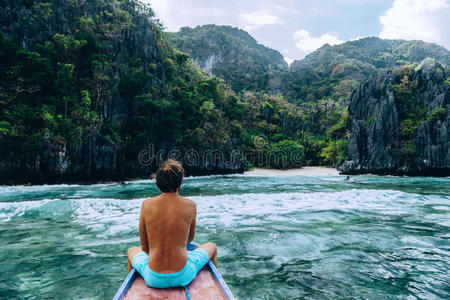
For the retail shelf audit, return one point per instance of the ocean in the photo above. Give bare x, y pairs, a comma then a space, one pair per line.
278, 237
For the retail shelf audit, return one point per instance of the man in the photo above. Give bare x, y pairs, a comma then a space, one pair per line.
166, 225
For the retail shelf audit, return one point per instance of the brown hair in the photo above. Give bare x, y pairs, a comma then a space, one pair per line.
169, 176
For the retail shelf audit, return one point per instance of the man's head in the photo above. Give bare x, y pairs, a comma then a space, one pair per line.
169, 176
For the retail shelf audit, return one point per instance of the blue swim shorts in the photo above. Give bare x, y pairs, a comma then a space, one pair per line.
196, 260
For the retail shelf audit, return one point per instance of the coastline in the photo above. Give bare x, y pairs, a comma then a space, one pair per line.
304, 171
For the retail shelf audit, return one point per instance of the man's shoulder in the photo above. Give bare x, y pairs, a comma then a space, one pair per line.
148, 201
190, 202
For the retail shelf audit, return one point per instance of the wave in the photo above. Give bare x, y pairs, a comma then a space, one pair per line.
111, 215
12, 189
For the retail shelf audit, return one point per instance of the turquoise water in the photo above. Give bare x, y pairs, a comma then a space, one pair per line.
298, 237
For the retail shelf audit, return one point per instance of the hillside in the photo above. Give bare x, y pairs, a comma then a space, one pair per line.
319, 85
89, 89
95, 90
233, 55
329, 72
335, 71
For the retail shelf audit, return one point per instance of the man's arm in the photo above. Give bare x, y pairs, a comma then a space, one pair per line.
143, 231
192, 229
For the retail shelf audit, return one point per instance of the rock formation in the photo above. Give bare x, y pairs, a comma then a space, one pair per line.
125, 39
394, 134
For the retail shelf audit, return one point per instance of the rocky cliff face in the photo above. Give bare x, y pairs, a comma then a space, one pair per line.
132, 63
400, 123
233, 55
335, 71
97, 156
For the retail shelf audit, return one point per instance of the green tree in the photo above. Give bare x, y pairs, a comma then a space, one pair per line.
335, 152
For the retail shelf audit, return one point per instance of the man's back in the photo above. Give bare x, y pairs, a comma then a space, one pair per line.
167, 224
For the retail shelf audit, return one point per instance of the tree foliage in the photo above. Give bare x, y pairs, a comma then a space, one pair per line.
74, 69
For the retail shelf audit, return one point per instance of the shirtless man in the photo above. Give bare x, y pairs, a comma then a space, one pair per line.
166, 226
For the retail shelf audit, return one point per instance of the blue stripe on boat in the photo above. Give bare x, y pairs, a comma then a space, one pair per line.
126, 285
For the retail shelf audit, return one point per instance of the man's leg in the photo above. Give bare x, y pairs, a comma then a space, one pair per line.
130, 255
211, 249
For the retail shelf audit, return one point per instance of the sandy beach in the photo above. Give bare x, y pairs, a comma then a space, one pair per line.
305, 171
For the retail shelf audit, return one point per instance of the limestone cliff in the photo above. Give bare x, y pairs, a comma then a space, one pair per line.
400, 123
87, 86
233, 55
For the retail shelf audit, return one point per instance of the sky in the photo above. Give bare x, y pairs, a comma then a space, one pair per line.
298, 27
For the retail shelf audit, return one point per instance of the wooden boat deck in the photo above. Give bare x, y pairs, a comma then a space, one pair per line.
208, 284
202, 287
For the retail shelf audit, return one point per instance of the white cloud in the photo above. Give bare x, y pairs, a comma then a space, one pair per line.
288, 59
356, 38
162, 10
259, 18
307, 43
417, 19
